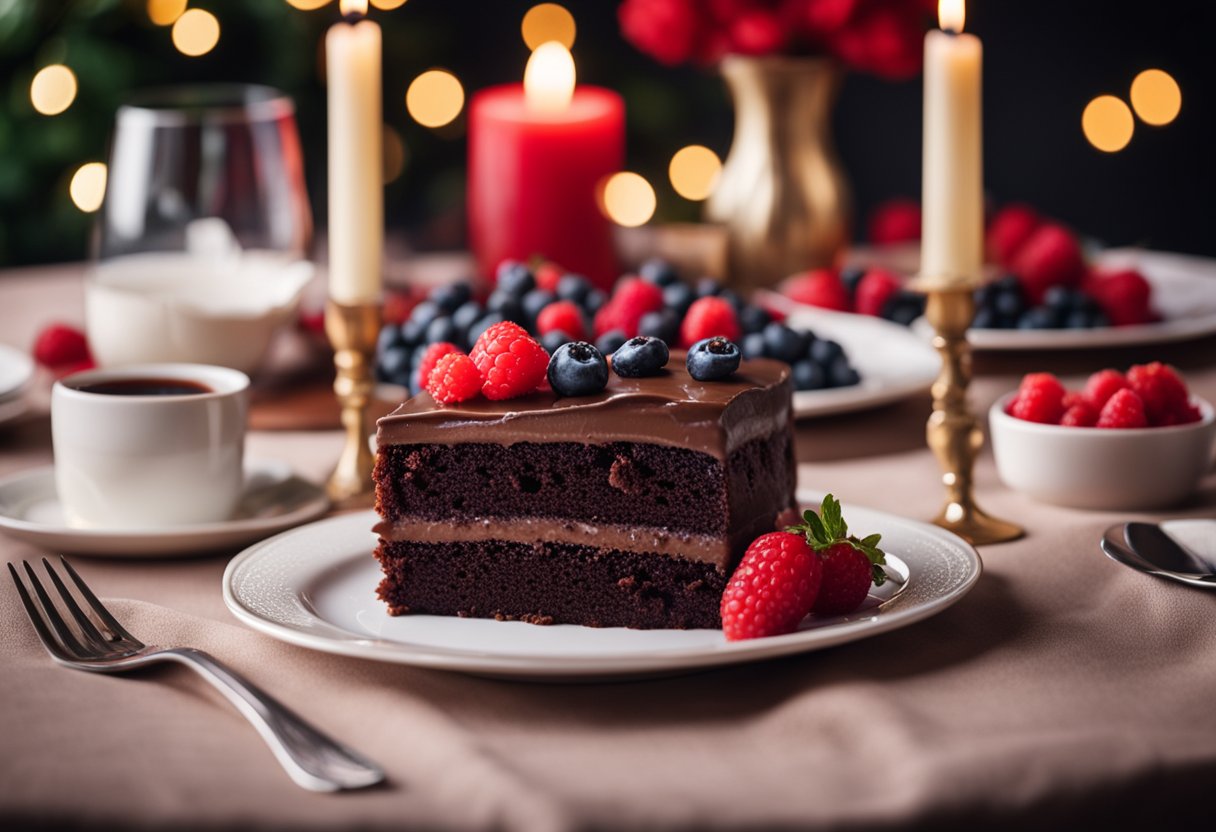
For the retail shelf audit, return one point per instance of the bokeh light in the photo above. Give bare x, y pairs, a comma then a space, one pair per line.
546, 22
307, 5
1156, 97
53, 89
88, 186
694, 171
165, 12
394, 154
196, 32
434, 98
628, 199
388, 5
1108, 123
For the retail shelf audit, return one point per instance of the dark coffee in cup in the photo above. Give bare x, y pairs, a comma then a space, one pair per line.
146, 387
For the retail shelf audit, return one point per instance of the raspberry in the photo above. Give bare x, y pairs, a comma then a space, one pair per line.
1009, 231
821, 287
511, 361
562, 316
1050, 257
59, 344
1101, 386
1123, 410
633, 298
1080, 415
772, 589
708, 318
1040, 398
454, 379
1163, 393
1125, 296
430, 357
547, 275
874, 289
895, 221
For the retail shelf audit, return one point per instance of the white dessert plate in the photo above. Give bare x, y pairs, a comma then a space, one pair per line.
1184, 292
16, 370
274, 499
316, 587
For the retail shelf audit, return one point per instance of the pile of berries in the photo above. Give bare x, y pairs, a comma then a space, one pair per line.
1147, 396
873, 291
814, 567
557, 308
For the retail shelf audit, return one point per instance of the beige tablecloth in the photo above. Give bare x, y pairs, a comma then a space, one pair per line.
1062, 688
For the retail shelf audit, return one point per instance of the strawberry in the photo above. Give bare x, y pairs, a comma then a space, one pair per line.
895, 221
1009, 231
772, 588
1050, 257
1125, 296
59, 345
821, 287
874, 289
850, 564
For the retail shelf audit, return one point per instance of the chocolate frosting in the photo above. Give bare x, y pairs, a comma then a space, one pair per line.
672, 408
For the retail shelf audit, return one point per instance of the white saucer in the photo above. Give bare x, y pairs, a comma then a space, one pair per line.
274, 499
316, 587
16, 370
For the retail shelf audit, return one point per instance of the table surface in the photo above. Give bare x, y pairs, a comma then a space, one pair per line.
1064, 687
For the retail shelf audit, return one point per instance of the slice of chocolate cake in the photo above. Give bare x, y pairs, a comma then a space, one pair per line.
629, 507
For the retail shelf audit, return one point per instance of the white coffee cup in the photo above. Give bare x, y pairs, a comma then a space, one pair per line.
128, 457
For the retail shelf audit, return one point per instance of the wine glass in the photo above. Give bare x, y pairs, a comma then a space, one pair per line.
204, 230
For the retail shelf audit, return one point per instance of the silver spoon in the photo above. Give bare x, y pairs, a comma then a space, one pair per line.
1115, 547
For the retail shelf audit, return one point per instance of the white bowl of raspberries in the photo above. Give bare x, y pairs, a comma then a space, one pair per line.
1127, 441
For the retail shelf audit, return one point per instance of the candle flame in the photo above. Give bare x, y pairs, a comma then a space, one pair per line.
549, 78
352, 7
951, 14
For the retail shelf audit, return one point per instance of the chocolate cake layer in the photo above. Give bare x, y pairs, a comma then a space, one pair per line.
676, 501
549, 583
672, 409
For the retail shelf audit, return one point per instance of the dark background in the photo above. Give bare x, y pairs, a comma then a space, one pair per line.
1044, 60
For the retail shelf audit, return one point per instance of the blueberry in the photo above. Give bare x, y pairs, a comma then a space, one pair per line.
1009, 283
809, 376
1040, 317
663, 324
505, 304
533, 303
1008, 302
707, 287
841, 374
1063, 298
985, 295
552, 340
1099, 319
610, 341
442, 329
659, 272
753, 319
732, 297
394, 365
711, 359
824, 351
450, 297
783, 343
753, 345
1079, 319
573, 287
985, 318
515, 278
413, 332
467, 315
481, 325
850, 276
425, 312
678, 297
577, 369
390, 336
905, 307
595, 299
640, 356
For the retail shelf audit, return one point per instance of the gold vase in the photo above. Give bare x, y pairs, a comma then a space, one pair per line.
782, 195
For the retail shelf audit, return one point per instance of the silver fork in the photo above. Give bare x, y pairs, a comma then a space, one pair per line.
313, 760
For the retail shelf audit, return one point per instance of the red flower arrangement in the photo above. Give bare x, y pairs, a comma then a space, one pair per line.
882, 37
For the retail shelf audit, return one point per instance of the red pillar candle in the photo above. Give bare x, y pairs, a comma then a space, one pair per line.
538, 153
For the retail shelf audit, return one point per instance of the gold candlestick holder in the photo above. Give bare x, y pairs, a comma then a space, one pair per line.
953, 432
352, 330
